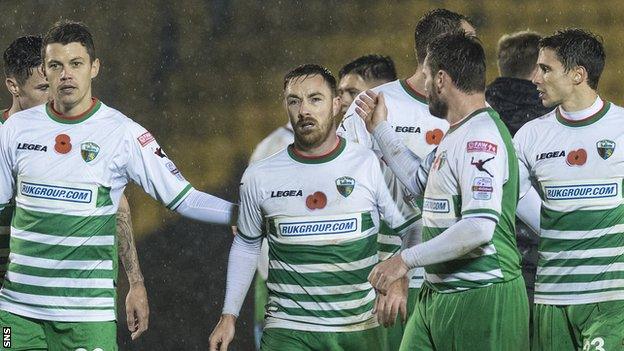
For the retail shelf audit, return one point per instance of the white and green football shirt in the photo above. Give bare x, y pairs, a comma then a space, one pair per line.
578, 169
474, 174
69, 174
5, 224
321, 219
408, 113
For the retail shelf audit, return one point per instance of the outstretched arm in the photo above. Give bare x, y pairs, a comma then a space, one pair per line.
137, 307
207, 208
408, 168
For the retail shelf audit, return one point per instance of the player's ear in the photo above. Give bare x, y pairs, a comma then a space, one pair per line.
12, 86
95, 68
440, 80
335, 106
579, 74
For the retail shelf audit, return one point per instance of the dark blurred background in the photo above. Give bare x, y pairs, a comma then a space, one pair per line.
205, 78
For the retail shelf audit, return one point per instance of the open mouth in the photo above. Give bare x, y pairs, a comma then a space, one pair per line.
306, 125
67, 89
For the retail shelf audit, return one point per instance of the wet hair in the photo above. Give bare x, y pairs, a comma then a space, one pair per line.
22, 57
371, 67
462, 57
65, 32
576, 47
433, 24
517, 54
311, 69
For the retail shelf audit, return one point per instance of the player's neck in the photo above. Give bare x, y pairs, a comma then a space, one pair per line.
417, 82
15, 108
74, 109
580, 99
463, 106
325, 148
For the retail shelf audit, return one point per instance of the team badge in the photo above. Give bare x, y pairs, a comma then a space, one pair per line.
605, 148
345, 185
89, 151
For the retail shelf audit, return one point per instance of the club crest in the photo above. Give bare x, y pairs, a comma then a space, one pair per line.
605, 148
89, 151
345, 185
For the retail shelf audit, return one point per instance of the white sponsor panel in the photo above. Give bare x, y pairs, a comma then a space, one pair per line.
318, 228
566, 196
45, 194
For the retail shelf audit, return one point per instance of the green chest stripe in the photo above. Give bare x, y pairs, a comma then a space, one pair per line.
58, 252
64, 225
581, 219
280, 276
330, 254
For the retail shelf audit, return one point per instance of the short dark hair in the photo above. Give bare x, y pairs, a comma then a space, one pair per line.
311, 69
433, 24
517, 54
22, 57
462, 57
577, 47
371, 67
65, 32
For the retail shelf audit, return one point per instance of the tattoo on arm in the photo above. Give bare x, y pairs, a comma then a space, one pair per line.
127, 248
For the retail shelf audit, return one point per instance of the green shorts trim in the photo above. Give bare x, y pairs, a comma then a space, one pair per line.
588, 327
494, 317
278, 339
34, 334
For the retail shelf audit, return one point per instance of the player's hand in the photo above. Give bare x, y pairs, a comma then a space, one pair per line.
372, 109
234, 230
394, 302
137, 310
223, 333
386, 273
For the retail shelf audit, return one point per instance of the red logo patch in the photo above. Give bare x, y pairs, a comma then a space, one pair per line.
145, 138
576, 157
316, 201
63, 144
481, 146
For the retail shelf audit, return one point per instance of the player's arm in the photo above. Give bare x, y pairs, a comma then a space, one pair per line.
394, 302
481, 207
529, 202
407, 166
150, 167
242, 263
137, 307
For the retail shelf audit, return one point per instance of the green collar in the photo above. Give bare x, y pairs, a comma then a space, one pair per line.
585, 121
342, 143
5, 116
58, 117
413, 93
460, 123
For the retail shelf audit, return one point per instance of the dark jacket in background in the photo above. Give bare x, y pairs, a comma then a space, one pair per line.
517, 102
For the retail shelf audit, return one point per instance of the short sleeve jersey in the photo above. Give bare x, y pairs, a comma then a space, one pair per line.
321, 218
578, 169
408, 113
68, 176
474, 174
